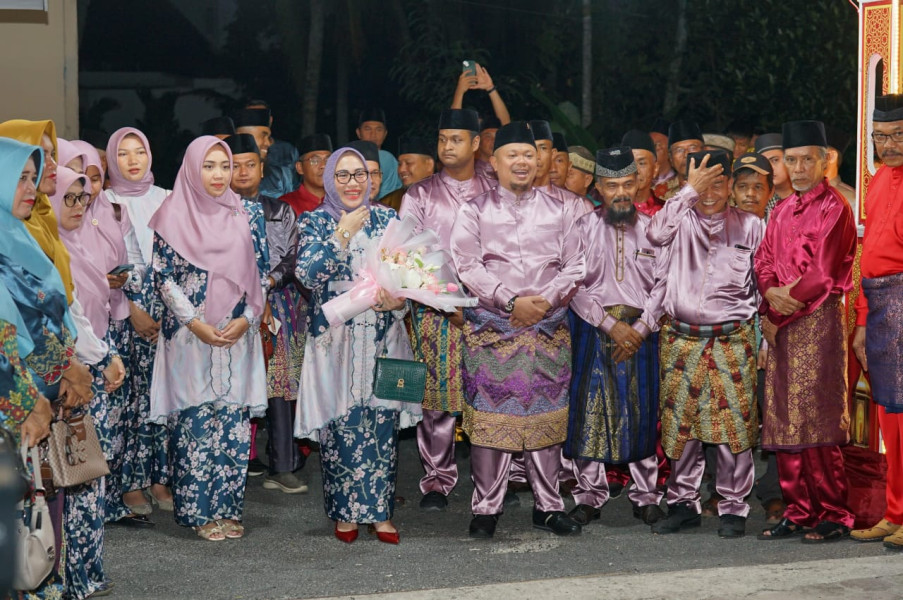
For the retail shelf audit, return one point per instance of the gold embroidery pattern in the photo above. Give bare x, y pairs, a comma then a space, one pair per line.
440, 346
806, 382
514, 433
708, 390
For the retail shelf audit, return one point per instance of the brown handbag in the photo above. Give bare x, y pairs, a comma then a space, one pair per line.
74, 451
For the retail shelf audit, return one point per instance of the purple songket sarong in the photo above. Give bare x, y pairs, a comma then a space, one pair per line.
884, 339
516, 381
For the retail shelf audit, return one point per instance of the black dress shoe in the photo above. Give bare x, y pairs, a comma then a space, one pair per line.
133, 520
555, 521
732, 526
680, 516
649, 514
433, 502
483, 526
584, 513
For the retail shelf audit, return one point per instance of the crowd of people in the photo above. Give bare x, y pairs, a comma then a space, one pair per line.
646, 313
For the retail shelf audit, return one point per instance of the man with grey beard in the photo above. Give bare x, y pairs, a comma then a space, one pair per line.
613, 413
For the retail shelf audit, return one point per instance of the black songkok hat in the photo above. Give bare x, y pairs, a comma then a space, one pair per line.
804, 133
315, 142
367, 149
218, 126
837, 139
372, 114
888, 108
638, 140
459, 118
515, 132
415, 144
559, 142
489, 122
681, 131
755, 162
615, 162
252, 117
769, 141
716, 157
661, 126
541, 130
242, 143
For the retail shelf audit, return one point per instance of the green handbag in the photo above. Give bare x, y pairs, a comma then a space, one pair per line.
400, 380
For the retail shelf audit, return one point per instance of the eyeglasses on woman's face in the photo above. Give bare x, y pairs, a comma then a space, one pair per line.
360, 176
70, 200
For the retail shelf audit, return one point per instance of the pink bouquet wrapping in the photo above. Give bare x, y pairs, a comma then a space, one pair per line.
407, 265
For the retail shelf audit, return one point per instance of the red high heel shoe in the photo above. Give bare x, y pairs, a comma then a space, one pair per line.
386, 537
346, 536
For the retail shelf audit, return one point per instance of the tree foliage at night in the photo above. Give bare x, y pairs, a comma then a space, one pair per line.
762, 61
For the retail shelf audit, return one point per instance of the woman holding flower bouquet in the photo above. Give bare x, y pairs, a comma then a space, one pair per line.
358, 433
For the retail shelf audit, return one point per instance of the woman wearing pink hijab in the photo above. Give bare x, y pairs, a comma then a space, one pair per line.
135, 199
83, 519
110, 241
209, 376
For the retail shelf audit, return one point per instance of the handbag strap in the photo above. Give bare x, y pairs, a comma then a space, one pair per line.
35, 465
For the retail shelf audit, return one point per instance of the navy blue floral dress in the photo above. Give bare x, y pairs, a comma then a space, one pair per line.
205, 395
358, 433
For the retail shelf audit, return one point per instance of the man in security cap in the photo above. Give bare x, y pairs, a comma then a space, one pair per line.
614, 387
438, 340
879, 331
708, 387
804, 267
275, 221
517, 250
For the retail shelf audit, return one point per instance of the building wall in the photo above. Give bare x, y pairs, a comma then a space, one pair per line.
39, 65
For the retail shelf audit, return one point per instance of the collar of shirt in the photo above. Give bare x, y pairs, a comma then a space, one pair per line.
518, 199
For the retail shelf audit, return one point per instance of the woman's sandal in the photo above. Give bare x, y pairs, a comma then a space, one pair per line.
829, 531
783, 530
211, 532
232, 529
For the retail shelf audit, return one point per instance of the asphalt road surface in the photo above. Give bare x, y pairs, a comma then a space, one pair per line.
289, 552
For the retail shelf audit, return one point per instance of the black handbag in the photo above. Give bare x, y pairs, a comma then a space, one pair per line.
399, 380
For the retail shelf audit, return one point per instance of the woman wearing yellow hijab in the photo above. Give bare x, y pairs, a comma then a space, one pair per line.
42, 224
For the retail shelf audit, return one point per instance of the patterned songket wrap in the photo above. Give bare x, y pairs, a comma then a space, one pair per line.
708, 390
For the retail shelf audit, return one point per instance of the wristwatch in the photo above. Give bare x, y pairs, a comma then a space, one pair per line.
510, 306
344, 233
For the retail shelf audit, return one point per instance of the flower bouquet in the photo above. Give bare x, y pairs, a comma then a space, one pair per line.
407, 265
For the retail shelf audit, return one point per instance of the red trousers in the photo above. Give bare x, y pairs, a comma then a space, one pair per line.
814, 486
892, 430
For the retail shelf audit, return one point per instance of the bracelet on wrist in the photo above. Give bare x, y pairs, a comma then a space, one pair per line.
492, 89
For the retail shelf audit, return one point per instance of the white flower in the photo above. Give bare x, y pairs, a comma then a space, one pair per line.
412, 280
